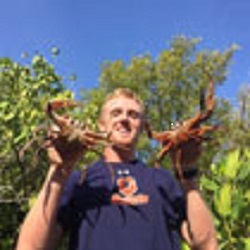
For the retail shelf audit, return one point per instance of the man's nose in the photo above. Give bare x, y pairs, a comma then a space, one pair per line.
124, 116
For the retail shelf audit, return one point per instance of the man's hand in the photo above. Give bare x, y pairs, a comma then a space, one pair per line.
63, 152
185, 156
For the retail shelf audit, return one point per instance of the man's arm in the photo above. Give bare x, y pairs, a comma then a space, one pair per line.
40, 229
198, 230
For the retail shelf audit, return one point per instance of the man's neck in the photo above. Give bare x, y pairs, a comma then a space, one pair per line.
114, 154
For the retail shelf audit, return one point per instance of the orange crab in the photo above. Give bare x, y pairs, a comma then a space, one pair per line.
71, 131
186, 131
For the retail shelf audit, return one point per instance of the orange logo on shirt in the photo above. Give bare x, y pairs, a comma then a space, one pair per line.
127, 192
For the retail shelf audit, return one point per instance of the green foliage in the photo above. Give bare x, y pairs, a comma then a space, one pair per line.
240, 121
25, 89
170, 86
228, 193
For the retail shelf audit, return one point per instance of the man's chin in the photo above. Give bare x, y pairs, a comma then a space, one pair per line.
123, 144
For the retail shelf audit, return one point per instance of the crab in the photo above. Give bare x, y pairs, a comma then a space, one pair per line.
70, 131
186, 131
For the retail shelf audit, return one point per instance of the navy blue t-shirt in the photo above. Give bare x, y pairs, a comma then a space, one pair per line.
125, 206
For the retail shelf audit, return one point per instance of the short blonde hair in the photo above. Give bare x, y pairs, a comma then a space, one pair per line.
123, 92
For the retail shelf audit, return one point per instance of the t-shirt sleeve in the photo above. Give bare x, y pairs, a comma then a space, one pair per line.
174, 202
65, 211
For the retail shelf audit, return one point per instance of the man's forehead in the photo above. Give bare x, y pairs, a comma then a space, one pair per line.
122, 102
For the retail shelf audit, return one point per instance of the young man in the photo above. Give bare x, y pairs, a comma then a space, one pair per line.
121, 203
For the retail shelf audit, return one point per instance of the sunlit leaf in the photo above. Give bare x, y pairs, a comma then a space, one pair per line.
223, 201
232, 164
55, 51
209, 184
247, 243
9, 116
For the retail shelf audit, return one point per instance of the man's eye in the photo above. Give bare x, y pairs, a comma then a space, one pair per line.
134, 114
115, 113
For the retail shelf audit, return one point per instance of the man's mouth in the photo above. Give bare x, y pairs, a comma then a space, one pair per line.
124, 131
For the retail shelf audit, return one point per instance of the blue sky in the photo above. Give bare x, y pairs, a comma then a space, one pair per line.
90, 32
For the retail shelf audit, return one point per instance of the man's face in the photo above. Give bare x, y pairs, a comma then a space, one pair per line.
123, 118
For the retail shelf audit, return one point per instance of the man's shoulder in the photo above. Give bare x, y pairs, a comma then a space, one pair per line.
159, 172
164, 178
159, 175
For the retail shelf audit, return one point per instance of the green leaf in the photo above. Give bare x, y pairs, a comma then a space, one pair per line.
209, 184
19, 138
184, 246
232, 164
4, 105
55, 51
247, 195
246, 243
36, 59
244, 171
9, 117
223, 200
72, 78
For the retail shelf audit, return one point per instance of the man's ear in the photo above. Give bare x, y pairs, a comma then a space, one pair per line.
101, 126
146, 128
